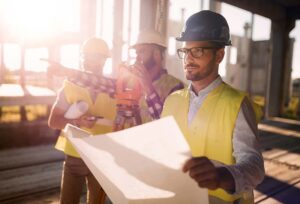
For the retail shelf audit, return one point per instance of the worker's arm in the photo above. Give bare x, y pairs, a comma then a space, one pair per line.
58, 69
94, 82
58, 121
107, 85
248, 171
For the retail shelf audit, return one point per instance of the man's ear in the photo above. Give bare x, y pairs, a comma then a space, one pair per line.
220, 55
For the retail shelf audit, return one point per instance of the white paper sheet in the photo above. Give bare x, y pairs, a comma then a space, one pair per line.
141, 164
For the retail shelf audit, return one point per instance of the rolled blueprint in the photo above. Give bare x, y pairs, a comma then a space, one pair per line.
76, 110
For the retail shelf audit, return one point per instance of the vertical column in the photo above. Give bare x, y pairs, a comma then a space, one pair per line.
287, 72
88, 18
22, 68
147, 14
215, 6
278, 69
2, 71
154, 15
249, 62
23, 81
117, 32
162, 8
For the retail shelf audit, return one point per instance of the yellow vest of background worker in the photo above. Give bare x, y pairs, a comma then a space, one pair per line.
103, 106
211, 131
163, 86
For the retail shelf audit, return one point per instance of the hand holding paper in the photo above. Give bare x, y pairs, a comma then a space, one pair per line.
141, 164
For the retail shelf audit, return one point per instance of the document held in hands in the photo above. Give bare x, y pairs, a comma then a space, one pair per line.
140, 164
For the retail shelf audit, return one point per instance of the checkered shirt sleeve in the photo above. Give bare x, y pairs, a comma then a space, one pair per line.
95, 83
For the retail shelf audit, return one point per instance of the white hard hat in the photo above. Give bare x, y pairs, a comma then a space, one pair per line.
150, 37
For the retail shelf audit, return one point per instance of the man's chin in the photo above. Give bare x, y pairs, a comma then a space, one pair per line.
193, 78
189, 76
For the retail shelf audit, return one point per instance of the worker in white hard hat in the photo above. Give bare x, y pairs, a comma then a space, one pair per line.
156, 82
94, 53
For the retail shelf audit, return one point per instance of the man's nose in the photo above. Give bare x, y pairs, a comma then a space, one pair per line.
188, 57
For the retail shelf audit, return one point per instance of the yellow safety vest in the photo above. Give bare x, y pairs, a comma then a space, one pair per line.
163, 86
210, 133
103, 106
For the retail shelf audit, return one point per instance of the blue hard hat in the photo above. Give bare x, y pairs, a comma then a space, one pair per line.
206, 26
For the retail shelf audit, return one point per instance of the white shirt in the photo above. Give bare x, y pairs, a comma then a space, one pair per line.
249, 168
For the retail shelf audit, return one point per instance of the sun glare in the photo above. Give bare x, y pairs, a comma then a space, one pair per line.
32, 23
32, 19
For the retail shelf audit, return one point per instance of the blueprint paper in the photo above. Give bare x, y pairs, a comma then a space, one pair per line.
140, 164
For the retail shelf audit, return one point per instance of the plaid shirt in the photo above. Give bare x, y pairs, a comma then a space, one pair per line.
108, 85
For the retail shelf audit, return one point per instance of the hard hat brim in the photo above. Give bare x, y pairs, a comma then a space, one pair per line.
137, 44
185, 39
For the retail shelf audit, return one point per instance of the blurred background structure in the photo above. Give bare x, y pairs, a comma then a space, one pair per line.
263, 60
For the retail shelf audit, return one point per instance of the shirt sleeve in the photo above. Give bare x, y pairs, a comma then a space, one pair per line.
102, 84
248, 171
155, 102
94, 82
61, 101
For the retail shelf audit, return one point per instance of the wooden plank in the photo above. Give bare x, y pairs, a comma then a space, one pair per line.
276, 152
28, 180
20, 157
26, 100
26, 133
291, 159
277, 130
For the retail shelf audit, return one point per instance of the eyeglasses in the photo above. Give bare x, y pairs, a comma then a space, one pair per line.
196, 52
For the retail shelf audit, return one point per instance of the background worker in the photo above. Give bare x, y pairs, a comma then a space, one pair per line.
217, 121
94, 53
157, 84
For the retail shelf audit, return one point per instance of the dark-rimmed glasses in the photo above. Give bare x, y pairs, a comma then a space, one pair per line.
196, 52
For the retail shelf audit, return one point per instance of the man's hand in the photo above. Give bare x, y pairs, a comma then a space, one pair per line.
86, 120
203, 171
58, 69
141, 73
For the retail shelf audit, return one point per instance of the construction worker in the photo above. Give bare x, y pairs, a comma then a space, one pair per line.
217, 121
156, 83
94, 53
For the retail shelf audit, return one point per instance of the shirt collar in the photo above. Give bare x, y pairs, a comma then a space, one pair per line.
207, 89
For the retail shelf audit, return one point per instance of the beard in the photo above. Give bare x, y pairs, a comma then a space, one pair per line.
149, 64
195, 75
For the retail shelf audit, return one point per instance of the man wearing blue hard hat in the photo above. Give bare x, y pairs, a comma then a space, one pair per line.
218, 121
